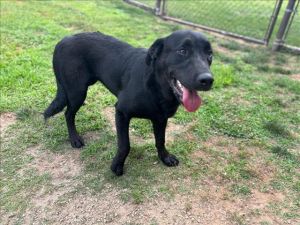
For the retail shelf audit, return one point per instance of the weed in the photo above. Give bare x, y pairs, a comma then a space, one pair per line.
237, 170
280, 151
277, 128
240, 189
224, 75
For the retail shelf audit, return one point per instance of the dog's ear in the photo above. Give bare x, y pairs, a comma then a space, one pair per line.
154, 51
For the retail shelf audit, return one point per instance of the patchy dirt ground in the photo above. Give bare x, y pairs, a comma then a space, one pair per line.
295, 77
6, 119
62, 203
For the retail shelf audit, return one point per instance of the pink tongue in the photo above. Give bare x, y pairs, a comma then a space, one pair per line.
191, 100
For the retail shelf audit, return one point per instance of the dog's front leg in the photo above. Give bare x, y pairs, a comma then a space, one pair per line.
159, 127
122, 124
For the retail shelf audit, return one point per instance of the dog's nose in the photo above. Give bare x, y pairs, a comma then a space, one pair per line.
205, 81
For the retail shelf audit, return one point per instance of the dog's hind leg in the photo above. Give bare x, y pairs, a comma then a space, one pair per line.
122, 124
75, 101
159, 127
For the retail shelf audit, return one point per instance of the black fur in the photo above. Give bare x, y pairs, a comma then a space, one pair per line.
140, 79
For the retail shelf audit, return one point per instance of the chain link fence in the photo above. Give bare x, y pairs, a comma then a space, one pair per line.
256, 21
247, 18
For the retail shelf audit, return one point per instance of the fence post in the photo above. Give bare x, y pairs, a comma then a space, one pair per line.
272, 21
158, 7
163, 8
283, 26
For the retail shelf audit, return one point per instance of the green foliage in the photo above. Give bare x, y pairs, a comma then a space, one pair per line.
141, 127
240, 189
277, 128
287, 83
237, 170
223, 75
281, 151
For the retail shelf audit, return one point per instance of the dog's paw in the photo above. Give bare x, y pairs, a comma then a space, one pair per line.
170, 160
117, 169
77, 142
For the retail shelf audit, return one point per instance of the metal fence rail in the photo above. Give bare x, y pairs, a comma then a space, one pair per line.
254, 21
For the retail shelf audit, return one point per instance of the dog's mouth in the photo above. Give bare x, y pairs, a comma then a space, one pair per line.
187, 97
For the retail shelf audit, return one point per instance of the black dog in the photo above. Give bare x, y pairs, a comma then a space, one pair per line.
148, 83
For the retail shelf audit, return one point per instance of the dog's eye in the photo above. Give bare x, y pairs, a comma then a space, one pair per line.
182, 52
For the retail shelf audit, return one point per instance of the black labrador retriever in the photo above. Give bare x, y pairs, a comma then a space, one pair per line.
149, 84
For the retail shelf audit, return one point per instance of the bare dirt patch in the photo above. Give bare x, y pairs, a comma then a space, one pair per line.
204, 206
61, 167
175, 130
205, 203
226, 145
222, 143
263, 170
64, 170
6, 119
109, 114
240, 101
261, 200
295, 77
91, 136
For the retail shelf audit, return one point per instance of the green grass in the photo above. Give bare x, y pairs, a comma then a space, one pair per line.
254, 110
248, 18
241, 189
234, 46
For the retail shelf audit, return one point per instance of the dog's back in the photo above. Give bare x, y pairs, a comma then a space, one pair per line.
88, 57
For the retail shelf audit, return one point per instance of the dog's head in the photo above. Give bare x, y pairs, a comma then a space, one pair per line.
184, 58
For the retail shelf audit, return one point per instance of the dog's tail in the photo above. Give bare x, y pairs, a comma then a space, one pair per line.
58, 104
